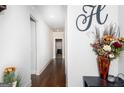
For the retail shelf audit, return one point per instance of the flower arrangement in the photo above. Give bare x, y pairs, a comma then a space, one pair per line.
9, 75
110, 44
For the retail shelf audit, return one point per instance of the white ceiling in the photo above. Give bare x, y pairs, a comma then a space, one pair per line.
53, 15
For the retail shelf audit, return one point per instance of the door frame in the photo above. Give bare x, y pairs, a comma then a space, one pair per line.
34, 20
56, 46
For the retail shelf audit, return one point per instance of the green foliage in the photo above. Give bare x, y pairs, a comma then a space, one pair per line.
18, 81
9, 77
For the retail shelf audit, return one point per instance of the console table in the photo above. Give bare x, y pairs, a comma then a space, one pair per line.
95, 81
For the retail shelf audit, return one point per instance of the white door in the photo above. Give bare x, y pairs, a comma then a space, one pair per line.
33, 46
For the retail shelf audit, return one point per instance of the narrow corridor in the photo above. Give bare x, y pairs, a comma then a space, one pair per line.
52, 76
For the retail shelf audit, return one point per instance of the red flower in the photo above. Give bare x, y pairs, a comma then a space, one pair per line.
117, 44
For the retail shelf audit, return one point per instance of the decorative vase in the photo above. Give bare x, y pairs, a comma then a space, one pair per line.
103, 66
14, 84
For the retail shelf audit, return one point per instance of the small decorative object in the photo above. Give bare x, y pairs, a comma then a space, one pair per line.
107, 48
111, 78
2, 7
120, 76
114, 79
14, 84
84, 20
103, 64
9, 76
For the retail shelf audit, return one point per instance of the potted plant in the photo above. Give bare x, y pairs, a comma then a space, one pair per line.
10, 77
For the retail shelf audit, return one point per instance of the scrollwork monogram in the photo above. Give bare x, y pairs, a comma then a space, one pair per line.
87, 16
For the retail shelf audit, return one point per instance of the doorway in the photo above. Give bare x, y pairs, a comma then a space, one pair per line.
58, 48
33, 45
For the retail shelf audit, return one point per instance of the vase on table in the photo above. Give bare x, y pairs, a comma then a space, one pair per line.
103, 66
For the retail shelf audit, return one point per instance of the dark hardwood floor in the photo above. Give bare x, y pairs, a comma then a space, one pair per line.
52, 76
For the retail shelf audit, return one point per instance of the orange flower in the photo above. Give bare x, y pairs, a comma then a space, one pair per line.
5, 71
13, 68
121, 39
9, 69
108, 38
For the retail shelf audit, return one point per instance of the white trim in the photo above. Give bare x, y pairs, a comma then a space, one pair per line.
66, 45
38, 73
34, 19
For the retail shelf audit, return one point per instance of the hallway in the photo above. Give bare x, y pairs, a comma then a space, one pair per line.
52, 76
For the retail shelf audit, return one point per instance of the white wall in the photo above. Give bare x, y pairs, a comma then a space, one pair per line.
58, 35
44, 42
81, 60
15, 41
121, 25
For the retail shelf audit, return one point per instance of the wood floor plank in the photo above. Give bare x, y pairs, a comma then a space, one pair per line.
52, 76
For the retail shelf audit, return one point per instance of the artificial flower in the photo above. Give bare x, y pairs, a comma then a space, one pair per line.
10, 69
121, 39
9, 75
100, 51
110, 44
117, 44
107, 48
111, 56
108, 37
